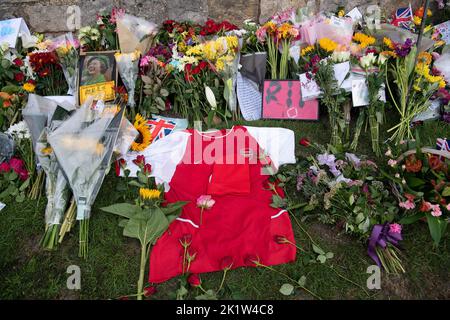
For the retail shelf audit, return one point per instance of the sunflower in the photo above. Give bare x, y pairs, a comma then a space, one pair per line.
327, 44
307, 50
425, 57
364, 40
149, 194
388, 42
145, 136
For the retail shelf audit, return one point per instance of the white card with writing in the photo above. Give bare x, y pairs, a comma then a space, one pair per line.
341, 73
444, 30
355, 14
310, 89
360, 93
12, 29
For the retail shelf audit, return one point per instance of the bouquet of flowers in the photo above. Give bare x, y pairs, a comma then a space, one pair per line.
371, 62
50, 80
278, 36
66, 47
128, 66
83, 146
13, 180
421, 178
155, 73
425, 82
346, 190
148, 218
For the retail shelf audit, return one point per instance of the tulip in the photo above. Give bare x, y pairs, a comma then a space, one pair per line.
305, 142
194, 280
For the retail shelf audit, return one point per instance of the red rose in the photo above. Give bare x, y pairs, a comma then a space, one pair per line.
196, 70
147, 168
19, 77
194, 280
149, 291
305, 142
203, 64
4, 167
23, 175
18, 62
140, 160
226, 263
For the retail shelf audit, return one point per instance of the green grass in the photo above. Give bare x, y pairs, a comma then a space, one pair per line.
111, 271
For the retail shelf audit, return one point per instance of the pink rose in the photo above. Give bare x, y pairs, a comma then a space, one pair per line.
205, 202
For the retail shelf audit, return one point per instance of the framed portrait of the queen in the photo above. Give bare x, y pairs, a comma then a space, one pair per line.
97, 76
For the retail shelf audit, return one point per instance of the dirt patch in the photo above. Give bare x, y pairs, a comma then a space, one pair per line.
329, 234
396, 287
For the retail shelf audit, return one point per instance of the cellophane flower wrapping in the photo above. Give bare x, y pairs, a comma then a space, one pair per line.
7, 147
83, 145
66, 47
127, 135
128, 66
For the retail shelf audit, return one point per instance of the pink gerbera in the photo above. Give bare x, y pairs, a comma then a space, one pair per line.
395, 228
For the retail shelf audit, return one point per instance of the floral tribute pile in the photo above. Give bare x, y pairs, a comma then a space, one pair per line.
193, 72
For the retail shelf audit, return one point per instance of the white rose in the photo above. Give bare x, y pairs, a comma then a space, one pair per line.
368, 60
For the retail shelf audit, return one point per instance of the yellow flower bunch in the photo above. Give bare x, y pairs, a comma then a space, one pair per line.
149, 194
364, 40
286, 31
423, 70
271, 27
232, 42
307, 50
195, 50
388, 42
327, 44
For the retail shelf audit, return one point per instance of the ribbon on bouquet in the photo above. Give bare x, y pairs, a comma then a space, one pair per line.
381, 236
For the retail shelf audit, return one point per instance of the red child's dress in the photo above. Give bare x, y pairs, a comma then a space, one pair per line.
230, 166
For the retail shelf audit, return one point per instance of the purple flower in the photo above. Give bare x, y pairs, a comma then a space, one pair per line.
404, 49
327, 159
446, 117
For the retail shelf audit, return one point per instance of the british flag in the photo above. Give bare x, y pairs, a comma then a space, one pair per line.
403, 18
160, 128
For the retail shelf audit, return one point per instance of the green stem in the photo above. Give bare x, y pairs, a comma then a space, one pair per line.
223, 279
141, 271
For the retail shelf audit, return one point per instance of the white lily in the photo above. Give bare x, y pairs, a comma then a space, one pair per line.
211, 98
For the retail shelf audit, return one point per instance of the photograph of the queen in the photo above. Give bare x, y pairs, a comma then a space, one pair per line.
97, 69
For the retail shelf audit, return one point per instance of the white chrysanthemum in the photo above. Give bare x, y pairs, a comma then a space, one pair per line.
19, 130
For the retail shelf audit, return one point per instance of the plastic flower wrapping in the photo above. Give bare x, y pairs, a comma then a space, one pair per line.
83, 145
66, 47
128, 66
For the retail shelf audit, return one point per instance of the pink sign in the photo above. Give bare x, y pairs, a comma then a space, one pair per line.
282, 99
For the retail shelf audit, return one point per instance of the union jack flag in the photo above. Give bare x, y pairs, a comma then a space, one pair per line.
160, 128
403, 18
443, 144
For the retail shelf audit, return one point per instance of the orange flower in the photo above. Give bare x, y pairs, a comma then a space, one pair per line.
7, 104
413, 164
435, 163
425, 57
5, 96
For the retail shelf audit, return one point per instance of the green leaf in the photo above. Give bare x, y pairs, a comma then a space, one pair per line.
182, 292
123, 223
411, 219
446, 192
322, 258
351, 200
174, 207
134, 183
147, 230
287, 289
302, 281
142, 177
122, 209
329, 255
414, 182
208, 295
25, 185
20, 198
318, 250
436, 228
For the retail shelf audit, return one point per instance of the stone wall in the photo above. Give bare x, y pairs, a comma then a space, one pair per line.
50, 16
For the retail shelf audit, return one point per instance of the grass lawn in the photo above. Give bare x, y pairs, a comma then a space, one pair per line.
111, 271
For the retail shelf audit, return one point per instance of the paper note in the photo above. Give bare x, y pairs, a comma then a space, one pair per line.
310, 89
444, 30
355, 15
343, 75
12, 29
360, 93
2, 205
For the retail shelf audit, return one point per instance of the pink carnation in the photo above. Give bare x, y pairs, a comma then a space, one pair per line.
436, 210
408, 205
395, 228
